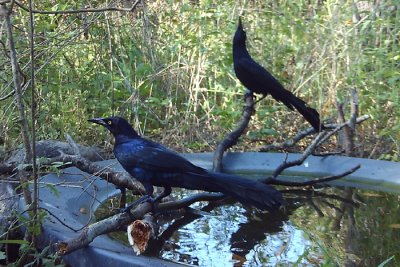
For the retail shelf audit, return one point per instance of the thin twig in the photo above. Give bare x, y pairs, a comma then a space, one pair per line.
55, 217
10, 94
84, 10
328, 153
22, 175
309, 150
120, 179
17, 84
35, 221
309, 131
185, 202
315, 181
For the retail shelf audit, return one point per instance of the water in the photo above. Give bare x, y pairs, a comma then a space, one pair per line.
329, 226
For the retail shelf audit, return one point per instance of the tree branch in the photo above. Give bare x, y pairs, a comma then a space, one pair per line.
309, 150
17, 84
105, 226
309, 131
115, 222
120, 179
315, 181
232, 138
36, 221
84, 10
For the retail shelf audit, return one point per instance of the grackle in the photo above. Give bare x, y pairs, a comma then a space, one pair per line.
258, 80
155, 165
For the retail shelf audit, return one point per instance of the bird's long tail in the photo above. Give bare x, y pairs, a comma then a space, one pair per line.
246, 191
310, 114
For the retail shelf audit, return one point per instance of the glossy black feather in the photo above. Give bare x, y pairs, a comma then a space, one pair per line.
155, 165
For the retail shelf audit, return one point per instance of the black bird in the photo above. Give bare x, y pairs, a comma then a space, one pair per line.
155, 165
258, 80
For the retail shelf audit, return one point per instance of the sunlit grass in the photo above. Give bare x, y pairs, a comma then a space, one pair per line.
168, 69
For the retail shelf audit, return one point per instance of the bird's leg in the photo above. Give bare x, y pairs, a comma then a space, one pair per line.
166, 192
248, 93
135, 203
155, 201
122, 200
264, 96
148, 197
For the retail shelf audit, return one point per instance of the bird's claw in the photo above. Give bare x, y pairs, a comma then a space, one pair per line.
153, 201
135, 203
247, 94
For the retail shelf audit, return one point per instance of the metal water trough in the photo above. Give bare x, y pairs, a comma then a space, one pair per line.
76, 197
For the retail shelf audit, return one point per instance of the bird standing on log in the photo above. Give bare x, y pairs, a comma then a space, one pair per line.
258, 80
155, 165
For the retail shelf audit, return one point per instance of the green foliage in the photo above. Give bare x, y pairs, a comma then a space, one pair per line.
11, 241
168, 68
39, 258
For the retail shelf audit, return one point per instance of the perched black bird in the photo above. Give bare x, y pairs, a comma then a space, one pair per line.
258, 80
155, 165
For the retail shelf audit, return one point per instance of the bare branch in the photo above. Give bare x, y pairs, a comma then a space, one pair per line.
354, 108
84, 10
17, 84
291, 142
309, 150
309, 131
105, 226
347, 135
22, 175
232, 138
115, 222
120, 179
36, 221
185, 202
315, 181
73, 145
328, 153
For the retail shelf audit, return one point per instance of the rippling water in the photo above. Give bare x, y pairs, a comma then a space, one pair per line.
332, 226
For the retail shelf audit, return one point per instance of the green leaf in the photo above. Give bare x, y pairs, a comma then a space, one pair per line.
386, 261
53, 189
14, 241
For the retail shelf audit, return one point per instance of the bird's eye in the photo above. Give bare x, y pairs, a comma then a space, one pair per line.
109, 122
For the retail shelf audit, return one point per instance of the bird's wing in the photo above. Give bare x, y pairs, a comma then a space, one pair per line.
259, 80
158, 159
248, 66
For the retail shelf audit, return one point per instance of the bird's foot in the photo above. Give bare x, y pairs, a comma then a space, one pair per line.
154, 201
258, 100
142, 199
247, 94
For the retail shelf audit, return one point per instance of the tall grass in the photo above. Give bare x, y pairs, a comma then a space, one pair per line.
168, 68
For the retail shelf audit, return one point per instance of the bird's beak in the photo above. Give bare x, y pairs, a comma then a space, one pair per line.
98, 121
